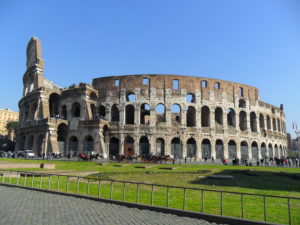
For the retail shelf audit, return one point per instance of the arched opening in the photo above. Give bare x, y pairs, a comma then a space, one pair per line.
243, 121
219, 116
244, 150
93, 96
274, 125
268, 123
176, 148
115, 113
232, 149
261, 121
129, 112
271, 153
88, 144
191, 148
102, 111
160, 146
64, 114
242, 103
130, 97
190, 98
206, 149
128, 146
94, 112
105, 133
231, 117
73, 146
281, 152
205, 116
191, 116
219, 149
40, 145
54, 105
263, 150
253, 122
144, 146
30, 143
254, 150
62, 134
76, 109
145, 114
27, 107
23, 143
113, 147
33, 111
278, 125
276, 151
160, 110
176, 113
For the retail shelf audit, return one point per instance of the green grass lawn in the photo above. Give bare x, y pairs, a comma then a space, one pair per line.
256, 180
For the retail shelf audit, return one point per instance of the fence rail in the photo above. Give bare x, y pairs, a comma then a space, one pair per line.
268, 208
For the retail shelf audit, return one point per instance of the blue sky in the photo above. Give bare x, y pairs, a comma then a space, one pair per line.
253, 42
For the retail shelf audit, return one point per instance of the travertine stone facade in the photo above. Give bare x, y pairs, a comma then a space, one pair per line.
181, 116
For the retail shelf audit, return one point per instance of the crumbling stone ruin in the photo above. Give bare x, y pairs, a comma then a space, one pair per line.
180, 116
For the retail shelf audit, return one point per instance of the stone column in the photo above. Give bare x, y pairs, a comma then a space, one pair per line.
121, 145
213, 148
238, 150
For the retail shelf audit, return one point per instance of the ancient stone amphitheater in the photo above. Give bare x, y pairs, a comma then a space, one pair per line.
181, 116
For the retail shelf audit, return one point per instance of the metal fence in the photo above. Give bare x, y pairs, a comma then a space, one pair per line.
269, 208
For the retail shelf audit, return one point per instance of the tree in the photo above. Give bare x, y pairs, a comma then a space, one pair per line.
11, 127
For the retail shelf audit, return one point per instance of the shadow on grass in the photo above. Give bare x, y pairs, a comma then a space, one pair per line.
263, 180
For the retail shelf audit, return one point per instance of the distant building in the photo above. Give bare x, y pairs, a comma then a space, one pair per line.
5, 116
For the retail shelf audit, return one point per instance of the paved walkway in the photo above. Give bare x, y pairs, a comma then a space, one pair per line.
21, 207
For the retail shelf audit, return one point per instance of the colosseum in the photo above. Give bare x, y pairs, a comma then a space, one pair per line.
182, 116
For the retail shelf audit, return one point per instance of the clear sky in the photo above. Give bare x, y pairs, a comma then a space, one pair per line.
255, 42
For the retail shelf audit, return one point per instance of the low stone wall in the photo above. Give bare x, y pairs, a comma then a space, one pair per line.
7, 165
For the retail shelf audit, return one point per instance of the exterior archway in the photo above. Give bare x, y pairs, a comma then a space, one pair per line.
243, 121
102, 111
254, 150
231, 118
144, 146
253, 122
206, 149
263, 150
76, 109
73, 146
232, 149
160, 146
191, 148
244, 150
113, 147
191, 117
176, 150
129, 114
160, 111
219, 149
219, 116
88, 144
205, 116
261, 121
115, 113
54, 101
276, 151
145, 114
62, 134
176, 113
128, 146
30, 143
271, 152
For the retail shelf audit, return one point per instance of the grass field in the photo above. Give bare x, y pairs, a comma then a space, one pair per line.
257, 180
